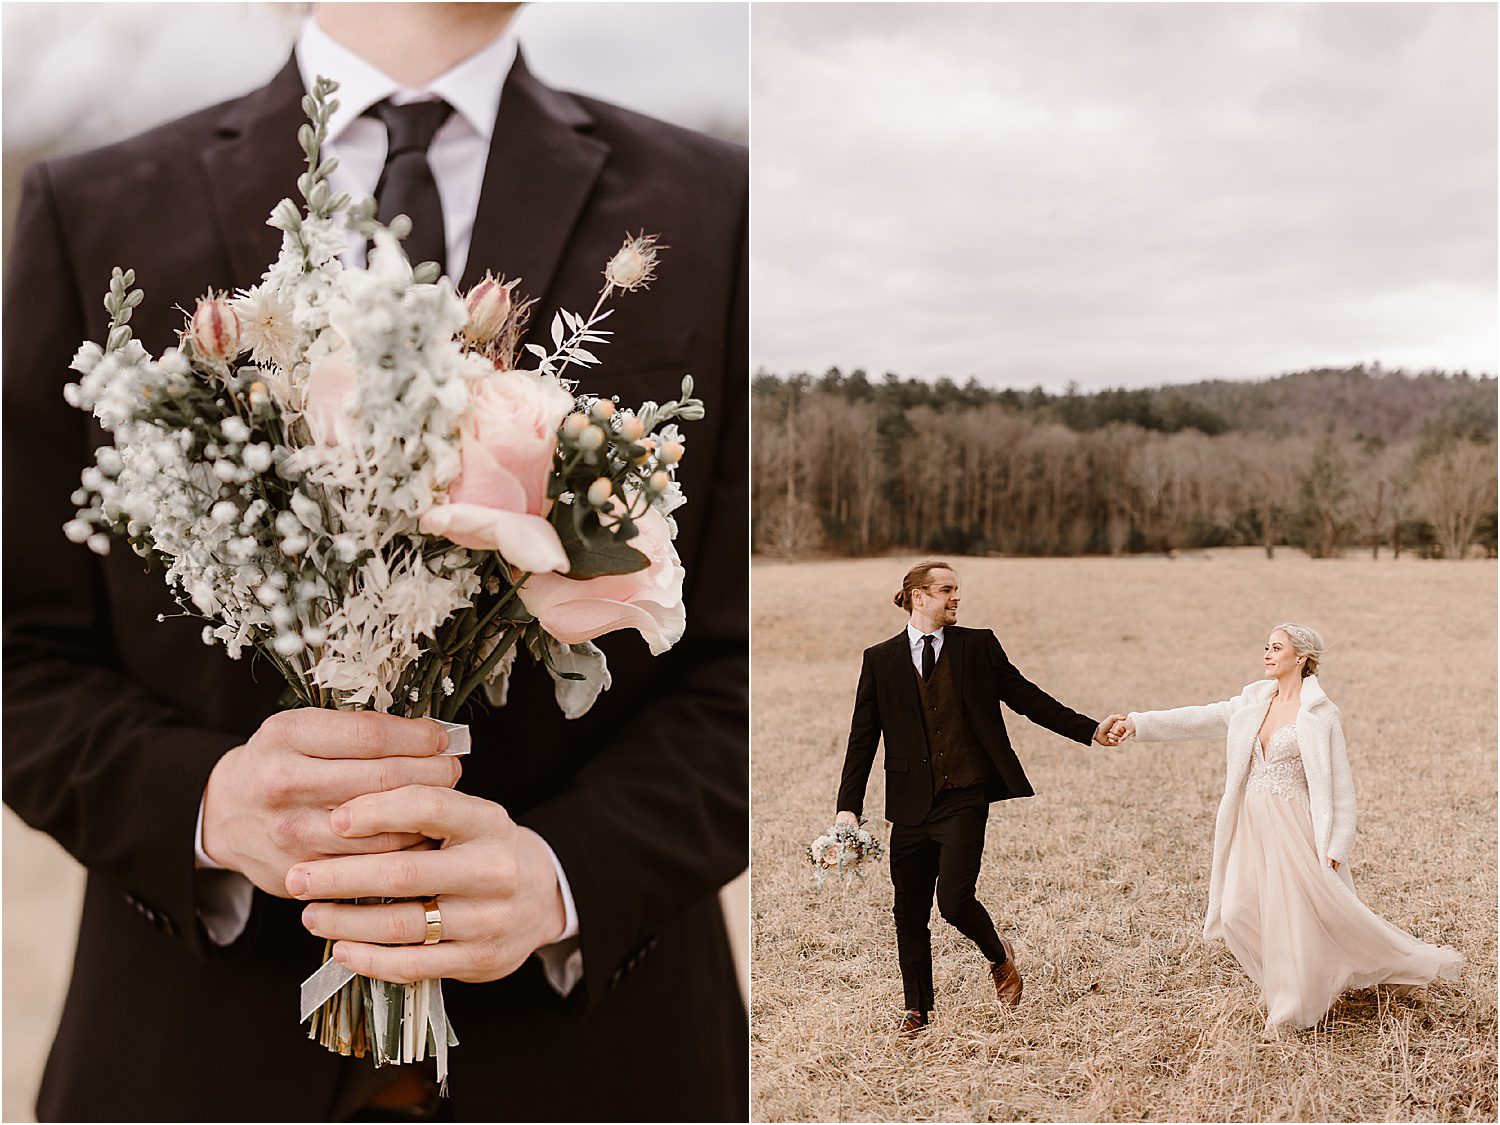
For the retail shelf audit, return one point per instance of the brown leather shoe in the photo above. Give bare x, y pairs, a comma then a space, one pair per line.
1007, 977
913, 1022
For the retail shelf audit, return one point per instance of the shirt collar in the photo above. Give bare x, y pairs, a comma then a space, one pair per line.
472, 87
914, 635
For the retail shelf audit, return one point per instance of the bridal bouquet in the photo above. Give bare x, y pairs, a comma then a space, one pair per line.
843, 849
348, 473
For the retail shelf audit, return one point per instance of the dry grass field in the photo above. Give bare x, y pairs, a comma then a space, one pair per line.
1100, 881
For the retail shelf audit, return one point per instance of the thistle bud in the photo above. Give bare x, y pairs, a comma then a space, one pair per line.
670, 453
591, 439
633, 264
600, 492
658, 481
489, 308
602, 410
631, 428
216, 330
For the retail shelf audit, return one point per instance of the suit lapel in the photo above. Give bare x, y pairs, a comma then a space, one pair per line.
904, 673
254, 164
541, 170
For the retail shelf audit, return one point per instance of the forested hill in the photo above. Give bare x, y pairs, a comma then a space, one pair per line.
1323, 460
1356, 402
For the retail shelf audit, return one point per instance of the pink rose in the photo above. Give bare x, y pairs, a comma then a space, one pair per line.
648, 601
329, 383
499, 500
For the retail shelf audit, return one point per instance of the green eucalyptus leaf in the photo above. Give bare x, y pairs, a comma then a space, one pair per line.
593, 550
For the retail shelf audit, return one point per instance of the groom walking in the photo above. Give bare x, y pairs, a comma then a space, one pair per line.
934, 692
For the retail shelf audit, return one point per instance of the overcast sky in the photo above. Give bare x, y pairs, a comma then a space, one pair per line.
92, 73
1123, 194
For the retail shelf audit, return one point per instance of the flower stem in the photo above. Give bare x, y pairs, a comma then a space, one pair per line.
479, 674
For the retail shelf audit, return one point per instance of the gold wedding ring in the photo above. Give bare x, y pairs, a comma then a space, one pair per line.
434, 922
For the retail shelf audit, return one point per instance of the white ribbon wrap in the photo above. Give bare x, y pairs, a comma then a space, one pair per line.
458, 738
317, 988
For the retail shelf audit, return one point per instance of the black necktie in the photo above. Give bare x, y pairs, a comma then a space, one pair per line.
406, 185
929, 658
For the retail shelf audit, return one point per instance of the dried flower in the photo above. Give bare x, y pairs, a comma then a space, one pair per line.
270, 329
631, 267
215, 329
488, 305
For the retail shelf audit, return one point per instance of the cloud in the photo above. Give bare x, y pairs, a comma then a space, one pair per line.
1123, 194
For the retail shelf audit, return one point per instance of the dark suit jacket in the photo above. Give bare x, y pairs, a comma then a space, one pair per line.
113, 721
886, 703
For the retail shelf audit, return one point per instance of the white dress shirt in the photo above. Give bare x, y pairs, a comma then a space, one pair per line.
458, 152
458, 155
914, 642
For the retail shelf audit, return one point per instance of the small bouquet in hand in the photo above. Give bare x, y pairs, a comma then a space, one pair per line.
843, 850
347, 473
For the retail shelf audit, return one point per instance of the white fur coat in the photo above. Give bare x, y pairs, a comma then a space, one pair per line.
1325, 760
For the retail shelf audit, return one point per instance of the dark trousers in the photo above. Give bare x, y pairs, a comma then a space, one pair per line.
942, 852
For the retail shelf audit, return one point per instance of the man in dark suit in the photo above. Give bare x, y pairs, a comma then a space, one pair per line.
133, 746
934, 692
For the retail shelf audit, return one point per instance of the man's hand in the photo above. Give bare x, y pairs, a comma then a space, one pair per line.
847, 817
1105, 735
266, 804
494, 881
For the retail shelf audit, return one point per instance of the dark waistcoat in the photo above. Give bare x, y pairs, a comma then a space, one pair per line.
955, 755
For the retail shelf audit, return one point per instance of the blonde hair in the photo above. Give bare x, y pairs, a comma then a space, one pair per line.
916, 578
1307, 642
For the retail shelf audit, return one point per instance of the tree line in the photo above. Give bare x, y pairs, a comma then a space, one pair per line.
1327, 460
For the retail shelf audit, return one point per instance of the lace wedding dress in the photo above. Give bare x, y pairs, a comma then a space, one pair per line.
1297, 930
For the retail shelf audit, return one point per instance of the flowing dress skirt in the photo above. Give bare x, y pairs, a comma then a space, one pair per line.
1298, 931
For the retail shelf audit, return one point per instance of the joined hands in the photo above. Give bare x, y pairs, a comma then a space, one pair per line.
1114, 730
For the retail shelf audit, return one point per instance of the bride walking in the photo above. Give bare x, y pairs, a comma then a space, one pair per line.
1280, 894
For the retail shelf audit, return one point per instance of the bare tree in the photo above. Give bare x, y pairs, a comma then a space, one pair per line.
1154, 496
1272, 477
1327, 499
1454, 489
